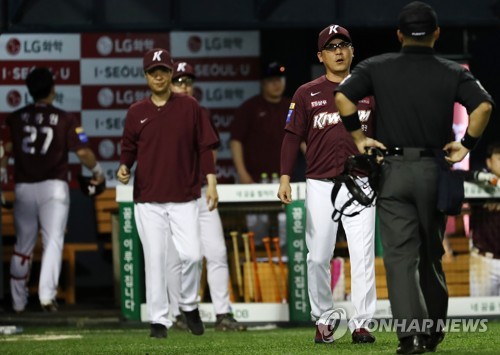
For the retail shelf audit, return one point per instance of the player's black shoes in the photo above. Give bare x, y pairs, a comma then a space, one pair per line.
194, 322
361, 336
180, 322
413, 344
433, 341
158, 331
50, 307
226, 322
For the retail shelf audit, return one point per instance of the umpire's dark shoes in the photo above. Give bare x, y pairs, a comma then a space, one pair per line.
194, 322
414, 344
158, 331
433, 341
362, 335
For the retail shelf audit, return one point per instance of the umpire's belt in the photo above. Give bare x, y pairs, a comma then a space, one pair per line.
411, 153
487, 254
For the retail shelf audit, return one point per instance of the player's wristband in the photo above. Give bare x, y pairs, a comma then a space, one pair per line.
469, 142
351, 122
97, 169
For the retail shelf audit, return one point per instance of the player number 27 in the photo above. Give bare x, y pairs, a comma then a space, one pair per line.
33, 134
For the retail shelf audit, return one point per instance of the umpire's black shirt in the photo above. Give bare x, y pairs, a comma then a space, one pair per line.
415, 92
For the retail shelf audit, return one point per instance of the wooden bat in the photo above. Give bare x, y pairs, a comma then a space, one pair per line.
267, 245
232, 296
234, 237
276, 241
251, 296
256, 279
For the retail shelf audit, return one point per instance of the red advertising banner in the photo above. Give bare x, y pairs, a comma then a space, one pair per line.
112, 96
99, 75
121, 45
15, 72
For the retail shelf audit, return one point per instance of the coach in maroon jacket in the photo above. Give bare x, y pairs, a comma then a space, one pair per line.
170, 139
314, 118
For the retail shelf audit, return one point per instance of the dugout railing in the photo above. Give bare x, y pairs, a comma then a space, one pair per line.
295, 307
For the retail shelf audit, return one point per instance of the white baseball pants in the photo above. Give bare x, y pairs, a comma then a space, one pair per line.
321, 235
213, 248
156, 223
484, 275
42, 205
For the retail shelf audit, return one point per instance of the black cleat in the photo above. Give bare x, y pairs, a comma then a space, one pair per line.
433, 341
361, 336
414, 344
194, 322
226, 322
180, 322
50, 307
158, 331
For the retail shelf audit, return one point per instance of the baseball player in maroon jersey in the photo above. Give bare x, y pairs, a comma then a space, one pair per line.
256, 136
213, 246
257, 128
171, 140
313, 117
41, 136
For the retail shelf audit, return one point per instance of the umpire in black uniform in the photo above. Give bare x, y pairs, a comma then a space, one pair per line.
415, 91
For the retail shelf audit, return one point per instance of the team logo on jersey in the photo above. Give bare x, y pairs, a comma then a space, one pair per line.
364, 115
81, 134
325, 119
318, 103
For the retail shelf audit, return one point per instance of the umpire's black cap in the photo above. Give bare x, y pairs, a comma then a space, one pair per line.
417, 19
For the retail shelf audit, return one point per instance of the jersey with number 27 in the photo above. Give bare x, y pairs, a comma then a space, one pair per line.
42, 135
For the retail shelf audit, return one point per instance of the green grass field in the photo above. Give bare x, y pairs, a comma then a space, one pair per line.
73, 340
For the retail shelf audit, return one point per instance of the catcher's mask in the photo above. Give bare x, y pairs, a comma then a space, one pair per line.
360, 177
88, 188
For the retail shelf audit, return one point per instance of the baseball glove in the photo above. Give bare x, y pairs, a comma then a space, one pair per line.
90, 189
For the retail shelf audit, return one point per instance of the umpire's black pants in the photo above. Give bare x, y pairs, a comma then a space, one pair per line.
411, 231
